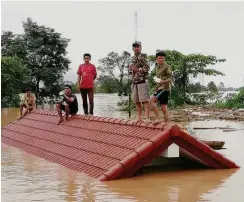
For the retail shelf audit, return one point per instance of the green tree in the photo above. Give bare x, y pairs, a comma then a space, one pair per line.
235, 101
42, 50
212, 87
12, 45
107, 84
114, 64
13, 73
185, 65
221, 86
196, 87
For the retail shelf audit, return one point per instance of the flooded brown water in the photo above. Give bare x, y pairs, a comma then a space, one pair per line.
28, 178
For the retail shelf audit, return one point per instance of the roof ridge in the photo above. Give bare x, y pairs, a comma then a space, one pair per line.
119, 121
129, 154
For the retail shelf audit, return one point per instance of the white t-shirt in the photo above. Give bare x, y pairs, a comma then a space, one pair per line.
28, 99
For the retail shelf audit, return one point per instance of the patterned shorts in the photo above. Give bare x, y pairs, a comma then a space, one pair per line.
140, 92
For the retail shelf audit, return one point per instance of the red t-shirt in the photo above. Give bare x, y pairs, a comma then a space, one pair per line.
88, 73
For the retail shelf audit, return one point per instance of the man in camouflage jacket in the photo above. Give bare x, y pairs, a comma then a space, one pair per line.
163, 87
140, 88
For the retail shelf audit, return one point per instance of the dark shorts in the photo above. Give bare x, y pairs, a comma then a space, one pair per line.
86, 90
72, 110
163, 96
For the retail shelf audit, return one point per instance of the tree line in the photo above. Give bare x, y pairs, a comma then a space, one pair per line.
38, 59
114, 73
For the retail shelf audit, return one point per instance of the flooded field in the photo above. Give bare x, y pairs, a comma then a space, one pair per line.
28, 178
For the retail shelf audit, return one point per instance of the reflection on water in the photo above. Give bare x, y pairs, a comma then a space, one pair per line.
173, 185
27, 178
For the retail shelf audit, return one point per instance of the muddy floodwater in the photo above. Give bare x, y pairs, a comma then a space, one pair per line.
28, 178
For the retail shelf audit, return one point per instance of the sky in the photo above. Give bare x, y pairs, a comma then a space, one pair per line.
209, 28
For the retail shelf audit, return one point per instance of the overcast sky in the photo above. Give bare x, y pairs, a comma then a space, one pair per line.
214, 28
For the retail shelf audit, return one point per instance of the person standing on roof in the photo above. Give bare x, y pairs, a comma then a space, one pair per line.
140, 88
86, 75
163, 87
28, 101
71, 104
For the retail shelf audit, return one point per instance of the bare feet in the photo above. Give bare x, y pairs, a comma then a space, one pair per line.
138, 120
60, 120
156, 121
20, 117
147, 120
166, 121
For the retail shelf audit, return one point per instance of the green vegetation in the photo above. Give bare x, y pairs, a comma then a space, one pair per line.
212, 87
114, 73
107, 84
40, 55
183, 66
38, 59
236, 101
14, 75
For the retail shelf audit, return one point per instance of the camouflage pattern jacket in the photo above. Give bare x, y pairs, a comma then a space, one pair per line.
163, 72
141, 62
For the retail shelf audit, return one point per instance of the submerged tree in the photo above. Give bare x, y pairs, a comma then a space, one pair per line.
212, 87
196, 87
221, 86
106, 84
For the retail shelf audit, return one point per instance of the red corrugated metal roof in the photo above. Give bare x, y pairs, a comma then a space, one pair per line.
103, 148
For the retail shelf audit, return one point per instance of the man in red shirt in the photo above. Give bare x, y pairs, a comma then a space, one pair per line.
86, 75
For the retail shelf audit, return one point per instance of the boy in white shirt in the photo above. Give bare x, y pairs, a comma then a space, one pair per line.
28, 101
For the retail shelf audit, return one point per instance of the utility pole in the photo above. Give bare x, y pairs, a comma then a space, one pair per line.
135, 25
129, 107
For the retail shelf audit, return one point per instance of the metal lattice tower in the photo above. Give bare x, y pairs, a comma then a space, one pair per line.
135, 25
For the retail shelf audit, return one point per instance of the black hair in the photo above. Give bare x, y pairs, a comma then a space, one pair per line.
87, 54
27, 89
69, 86
161, 53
